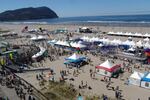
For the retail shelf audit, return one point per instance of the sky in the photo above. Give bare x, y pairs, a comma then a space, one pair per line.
73, 8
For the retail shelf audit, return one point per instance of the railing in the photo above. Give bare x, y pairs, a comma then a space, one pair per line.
39, 95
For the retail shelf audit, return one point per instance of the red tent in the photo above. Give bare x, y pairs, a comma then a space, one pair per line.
108, 66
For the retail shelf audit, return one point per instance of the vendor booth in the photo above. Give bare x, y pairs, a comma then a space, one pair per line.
75, 60
108, 68
145, 81
135, 78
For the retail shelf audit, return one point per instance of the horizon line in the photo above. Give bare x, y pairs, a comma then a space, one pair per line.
105, 15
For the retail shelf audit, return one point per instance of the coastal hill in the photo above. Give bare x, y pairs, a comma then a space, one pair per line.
28, 14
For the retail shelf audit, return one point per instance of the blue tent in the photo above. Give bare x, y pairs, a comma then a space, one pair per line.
74, 59
145, 81
146, 77
126, 47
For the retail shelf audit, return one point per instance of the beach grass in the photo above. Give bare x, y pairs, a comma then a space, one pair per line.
60, 91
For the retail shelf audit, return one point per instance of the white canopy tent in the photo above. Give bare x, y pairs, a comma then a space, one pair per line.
146, 39
59, 42
130, 43
139, 43
93, 39
42, 51
40, 37
131, 49
74, 57
146, 35
115, 42
129, 34
105, 40
85, 38
100, 45
107, 68
135, 78
147, 45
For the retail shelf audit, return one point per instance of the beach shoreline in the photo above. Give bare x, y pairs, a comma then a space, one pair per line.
52, 27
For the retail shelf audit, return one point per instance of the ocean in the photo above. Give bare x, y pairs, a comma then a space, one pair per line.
116, 20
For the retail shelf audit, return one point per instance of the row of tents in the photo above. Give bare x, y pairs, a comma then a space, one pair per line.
105, 41
37, 38
129, 41
129, 34
107, 68
67, 44
140, 79
110, 69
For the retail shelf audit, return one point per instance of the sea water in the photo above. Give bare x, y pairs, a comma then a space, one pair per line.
116, 20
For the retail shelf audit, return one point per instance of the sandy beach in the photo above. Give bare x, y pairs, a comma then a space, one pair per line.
129, 92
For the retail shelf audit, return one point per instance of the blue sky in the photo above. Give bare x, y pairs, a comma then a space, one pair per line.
70, 8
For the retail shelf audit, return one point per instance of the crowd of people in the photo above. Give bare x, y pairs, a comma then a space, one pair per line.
23, 90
